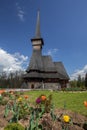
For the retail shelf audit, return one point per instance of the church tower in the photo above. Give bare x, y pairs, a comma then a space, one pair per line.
37, 41
37, 44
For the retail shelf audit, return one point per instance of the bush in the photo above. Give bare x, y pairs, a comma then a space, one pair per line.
14, 126
73, 89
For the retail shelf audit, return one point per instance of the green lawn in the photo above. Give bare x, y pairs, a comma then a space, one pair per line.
72, 101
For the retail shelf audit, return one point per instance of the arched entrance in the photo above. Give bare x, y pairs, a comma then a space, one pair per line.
32, 86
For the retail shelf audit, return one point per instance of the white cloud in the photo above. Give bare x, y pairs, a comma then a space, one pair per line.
20, 12
51, 52
81, 72
12, 62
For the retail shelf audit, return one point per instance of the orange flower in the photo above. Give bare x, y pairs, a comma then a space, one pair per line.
43, 98
2, 91
85, 103
26, 96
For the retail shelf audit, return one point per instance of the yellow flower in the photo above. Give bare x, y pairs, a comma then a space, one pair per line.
19, 99
66, 118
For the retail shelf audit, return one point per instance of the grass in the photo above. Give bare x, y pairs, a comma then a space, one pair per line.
72, 101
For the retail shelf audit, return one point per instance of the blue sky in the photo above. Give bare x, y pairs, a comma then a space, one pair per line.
63, 28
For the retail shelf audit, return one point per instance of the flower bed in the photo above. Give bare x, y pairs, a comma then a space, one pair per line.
41, 115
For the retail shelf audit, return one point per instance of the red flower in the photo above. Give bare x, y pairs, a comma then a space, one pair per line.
26, 96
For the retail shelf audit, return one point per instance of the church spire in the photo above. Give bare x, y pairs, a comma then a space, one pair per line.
38, 34
37, 41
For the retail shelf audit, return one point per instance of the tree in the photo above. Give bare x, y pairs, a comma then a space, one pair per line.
79, 81
86, 80
11, 80
73, 83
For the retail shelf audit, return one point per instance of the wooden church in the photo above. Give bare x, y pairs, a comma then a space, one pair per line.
43, 72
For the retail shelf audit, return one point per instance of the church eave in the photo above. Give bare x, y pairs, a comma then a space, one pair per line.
36, 39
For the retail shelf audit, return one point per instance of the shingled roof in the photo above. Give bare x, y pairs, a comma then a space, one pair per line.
36, 62
43, 67
61, 69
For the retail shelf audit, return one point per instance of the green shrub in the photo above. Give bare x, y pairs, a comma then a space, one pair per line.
73, 89
14, 126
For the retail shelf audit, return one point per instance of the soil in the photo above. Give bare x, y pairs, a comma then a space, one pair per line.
78, 121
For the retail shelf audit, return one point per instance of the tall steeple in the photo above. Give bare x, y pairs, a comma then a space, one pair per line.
37, 41
38, 34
